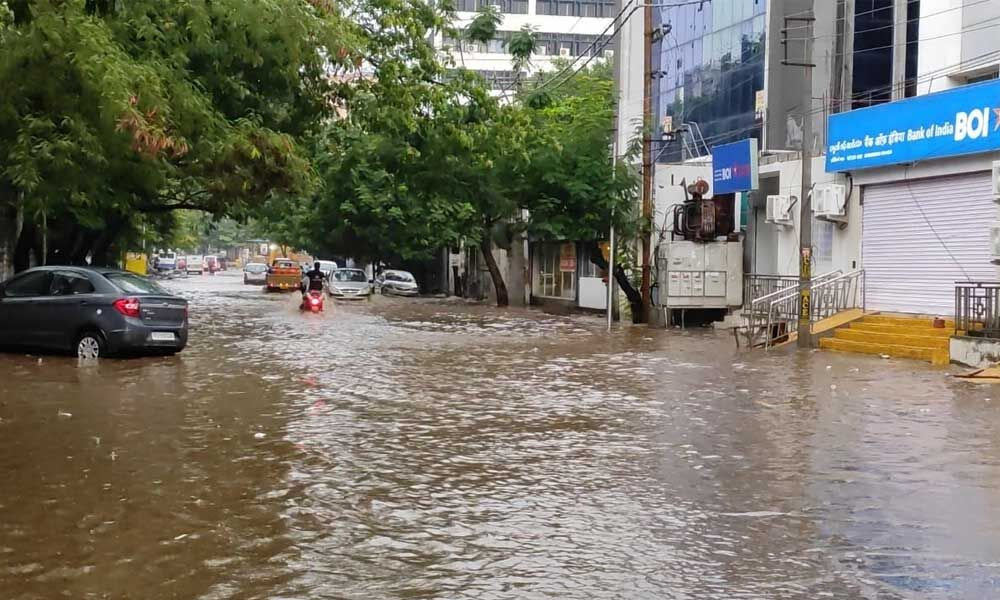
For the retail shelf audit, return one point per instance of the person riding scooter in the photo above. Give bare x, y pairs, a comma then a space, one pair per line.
314, 281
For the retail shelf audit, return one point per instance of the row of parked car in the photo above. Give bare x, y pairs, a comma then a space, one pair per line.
346, 282
194, 264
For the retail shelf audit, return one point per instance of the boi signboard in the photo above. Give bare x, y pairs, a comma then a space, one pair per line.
963, 120
734, 167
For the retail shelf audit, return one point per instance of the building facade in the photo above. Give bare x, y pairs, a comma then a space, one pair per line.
566, 29
915, 223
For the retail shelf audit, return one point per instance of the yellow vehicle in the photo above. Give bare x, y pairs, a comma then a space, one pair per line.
136, 263
283, 275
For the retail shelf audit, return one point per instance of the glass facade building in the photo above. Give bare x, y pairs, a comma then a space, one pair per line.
708, 67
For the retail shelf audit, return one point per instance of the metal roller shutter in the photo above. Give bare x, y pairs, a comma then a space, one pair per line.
922, 236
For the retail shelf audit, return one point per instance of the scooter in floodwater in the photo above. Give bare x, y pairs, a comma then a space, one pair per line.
313, 302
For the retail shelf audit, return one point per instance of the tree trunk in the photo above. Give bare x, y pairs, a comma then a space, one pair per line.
23, 246
99, 251
633, 295
486, 247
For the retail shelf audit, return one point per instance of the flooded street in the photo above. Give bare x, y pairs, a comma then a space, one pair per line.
428, 449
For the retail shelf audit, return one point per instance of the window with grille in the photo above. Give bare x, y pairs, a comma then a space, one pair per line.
513, 7
576, 8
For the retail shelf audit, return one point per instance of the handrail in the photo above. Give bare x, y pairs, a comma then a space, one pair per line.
782, 293
837, 291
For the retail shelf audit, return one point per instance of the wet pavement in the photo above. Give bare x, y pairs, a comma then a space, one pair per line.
429, 449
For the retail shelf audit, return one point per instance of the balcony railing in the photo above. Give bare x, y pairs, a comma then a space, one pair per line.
977, 308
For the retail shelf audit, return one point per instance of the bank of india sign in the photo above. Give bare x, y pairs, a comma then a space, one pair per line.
963, 120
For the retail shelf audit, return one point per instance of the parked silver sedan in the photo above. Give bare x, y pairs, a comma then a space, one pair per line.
349, 283
255, 274
398, 283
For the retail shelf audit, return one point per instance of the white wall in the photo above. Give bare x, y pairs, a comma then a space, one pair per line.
629, 61
938, 56
846, 240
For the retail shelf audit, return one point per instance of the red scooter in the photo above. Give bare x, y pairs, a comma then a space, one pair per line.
313, 301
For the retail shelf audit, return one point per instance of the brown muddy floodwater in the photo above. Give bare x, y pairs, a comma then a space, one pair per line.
428, 449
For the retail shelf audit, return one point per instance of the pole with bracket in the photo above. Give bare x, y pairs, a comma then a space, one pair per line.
805, 205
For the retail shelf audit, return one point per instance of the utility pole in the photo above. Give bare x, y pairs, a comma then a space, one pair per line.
647, 158
805, 205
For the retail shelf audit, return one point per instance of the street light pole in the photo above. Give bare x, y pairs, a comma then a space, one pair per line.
611, 241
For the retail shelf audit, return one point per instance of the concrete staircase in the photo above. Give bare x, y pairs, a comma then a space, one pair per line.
895, 336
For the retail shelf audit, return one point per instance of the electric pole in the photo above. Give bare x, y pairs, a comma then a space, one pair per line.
805, 205
647, 160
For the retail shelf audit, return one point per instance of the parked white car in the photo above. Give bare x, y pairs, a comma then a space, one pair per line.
397, 283
327, 266
195, 264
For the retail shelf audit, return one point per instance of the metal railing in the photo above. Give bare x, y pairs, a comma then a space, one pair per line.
977, 308
772, 315
838, 294
756, 286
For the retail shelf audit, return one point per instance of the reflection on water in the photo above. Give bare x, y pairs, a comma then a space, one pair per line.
401, 448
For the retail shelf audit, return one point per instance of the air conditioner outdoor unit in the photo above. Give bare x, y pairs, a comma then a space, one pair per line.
609, 54
995, 243
996, 180
564, 52
779, 210
829, 202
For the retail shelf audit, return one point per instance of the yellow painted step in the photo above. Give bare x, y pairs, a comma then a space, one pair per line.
907, 321
893, 339
944, 332
938, 357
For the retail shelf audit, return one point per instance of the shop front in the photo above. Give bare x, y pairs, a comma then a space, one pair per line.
554, 278
922, 169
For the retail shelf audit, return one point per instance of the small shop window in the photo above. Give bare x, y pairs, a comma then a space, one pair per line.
587, 266
555, 272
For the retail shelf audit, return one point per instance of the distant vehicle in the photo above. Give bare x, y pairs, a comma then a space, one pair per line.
166, 261
195, 264
181, 264
350, 283
398, 283
211, 264
283, 275
255, 274
222, 262
327, 266
92, 312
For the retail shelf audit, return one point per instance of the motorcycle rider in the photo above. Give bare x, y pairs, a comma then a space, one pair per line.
314, 281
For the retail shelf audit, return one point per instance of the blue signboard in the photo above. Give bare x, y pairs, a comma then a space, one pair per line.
734, 167
964, 120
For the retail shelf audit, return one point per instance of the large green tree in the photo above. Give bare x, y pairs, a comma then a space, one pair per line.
114, 113
574, 190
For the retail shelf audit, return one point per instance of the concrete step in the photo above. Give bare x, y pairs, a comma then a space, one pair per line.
944, 332
907, 321
889, 339
937, 357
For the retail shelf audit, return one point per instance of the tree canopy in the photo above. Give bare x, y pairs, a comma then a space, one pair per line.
338, 127
114, 111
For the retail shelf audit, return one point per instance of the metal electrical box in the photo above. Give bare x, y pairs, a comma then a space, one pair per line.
698, 275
